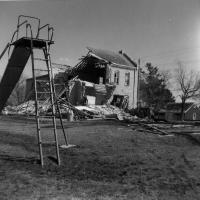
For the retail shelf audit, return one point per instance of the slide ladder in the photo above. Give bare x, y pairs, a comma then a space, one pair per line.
24, 48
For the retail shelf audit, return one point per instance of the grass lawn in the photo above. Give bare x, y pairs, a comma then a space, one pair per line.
110, 161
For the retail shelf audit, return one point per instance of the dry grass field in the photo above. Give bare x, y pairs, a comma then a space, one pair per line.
111, 161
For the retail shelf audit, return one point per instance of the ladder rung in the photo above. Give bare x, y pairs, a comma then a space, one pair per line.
42, 81
44, 92
41, 59
40, 103
41, 100
46, 116
59, 84
50, 142
44, 70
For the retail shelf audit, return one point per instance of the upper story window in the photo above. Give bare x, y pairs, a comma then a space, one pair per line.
100, 80
127, 79
116, 77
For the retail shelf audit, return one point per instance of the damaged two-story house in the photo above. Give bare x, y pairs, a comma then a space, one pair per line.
108, 71
100, 77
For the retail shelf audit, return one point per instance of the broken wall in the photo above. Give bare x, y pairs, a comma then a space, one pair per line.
75, 92
102, 93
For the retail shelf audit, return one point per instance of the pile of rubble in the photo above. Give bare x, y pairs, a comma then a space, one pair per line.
72, 112
26, 108
105, 111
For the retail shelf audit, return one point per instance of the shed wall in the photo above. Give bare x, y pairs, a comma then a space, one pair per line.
191, 112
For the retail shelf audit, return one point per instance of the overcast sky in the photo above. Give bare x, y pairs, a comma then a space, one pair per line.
157, 31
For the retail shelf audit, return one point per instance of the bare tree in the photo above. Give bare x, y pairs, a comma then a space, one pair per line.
188, 82
166, 76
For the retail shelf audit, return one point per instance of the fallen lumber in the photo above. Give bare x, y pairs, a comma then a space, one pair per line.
155, 128
152, 128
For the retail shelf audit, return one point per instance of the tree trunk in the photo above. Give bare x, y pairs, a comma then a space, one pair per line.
182, 108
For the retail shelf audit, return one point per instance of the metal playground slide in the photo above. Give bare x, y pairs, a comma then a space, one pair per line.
19, 56
14, 69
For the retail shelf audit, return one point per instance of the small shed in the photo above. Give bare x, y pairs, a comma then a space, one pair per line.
191, 112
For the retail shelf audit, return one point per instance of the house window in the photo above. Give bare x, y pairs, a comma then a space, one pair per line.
116, 77
127, 79
100, 80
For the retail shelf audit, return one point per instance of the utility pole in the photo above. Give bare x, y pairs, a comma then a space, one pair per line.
138, 87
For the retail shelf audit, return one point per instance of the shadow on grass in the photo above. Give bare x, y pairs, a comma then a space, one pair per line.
29, 143
31, 160
53, 159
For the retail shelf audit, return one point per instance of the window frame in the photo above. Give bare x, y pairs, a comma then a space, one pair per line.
116, 77
127, 81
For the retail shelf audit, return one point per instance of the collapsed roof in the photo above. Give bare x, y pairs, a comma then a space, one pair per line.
100, 58
119, 59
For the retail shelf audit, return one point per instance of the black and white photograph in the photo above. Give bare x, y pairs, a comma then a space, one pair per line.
100, 100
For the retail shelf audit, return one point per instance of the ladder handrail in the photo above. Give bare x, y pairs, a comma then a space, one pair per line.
40, 28
50, 30
29, 26
17, 32
52, 96
26, 16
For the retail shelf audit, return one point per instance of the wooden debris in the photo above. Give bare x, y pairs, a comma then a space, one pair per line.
156, 129
150, 128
